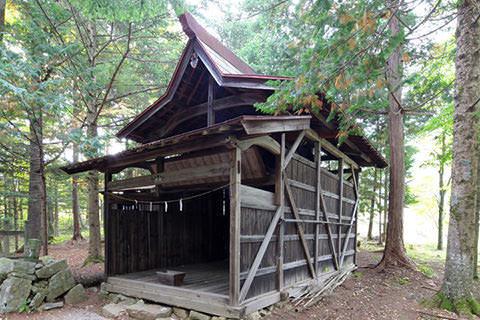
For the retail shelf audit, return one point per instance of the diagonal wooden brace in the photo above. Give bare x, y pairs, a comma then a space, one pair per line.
299, 226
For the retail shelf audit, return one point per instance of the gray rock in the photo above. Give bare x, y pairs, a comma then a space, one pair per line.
46, 259
22, 275
41, 284
167, 318
37, 299
32, 249
92, 289
51, 268
194, 315
219, 318
38, 266
114, 297
76, 295
113, 310
103, 294
60, 283
13, 293
5, 267
128, 301
22, 266
181, 313
253, 316
145, 311
51, 305
36, 289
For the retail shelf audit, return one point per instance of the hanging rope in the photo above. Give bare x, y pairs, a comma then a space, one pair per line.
168, 201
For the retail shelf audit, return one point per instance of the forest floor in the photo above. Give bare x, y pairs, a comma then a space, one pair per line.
368, 294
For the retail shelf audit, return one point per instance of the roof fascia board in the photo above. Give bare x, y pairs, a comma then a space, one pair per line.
208, 62
160, 103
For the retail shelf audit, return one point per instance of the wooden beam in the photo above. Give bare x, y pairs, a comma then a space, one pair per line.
235, 216
329, 232
312, 135
340, 202
276, 125
210, 110
294, 147
347, 238
189, 176
299, 226
265, 142
318, 160
355, 176
192, 174
354, 219
280, 201
106, 224
260, 253
143, 165
201, 109
146, 154
195, 88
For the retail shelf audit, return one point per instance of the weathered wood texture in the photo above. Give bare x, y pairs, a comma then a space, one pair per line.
139, 239
258, 210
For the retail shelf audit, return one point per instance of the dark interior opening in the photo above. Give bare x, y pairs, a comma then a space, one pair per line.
146, 236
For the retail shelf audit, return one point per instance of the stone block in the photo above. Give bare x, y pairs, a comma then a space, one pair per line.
60, 283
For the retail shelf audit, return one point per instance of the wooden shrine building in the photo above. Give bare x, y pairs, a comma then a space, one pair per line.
248, 205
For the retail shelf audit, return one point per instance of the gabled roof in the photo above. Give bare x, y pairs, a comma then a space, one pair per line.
226, 68
225, 59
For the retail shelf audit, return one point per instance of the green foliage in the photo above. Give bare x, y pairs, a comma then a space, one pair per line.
25, 307
404, 280
426, 270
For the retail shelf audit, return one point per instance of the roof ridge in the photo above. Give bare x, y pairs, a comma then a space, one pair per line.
194, 30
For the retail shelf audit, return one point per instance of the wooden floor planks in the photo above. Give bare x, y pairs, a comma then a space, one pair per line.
205, 277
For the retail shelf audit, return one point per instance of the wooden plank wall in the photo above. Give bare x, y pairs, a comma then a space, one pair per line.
142, 239
258, 209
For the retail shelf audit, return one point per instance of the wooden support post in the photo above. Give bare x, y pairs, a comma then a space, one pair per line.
352, 221
210, 109
280, 201
235, 211
299, 227
318, 160
340, 202
106, 224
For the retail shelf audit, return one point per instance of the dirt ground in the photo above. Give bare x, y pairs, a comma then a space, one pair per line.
368, 294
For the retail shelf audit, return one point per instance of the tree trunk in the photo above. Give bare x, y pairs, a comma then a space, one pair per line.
372, 207
457, 285
477, 226
15, 214
441, 200
394, 254
94, 241
77, 233
380, 236
35, 190
2, 18
385, 204
55, 213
